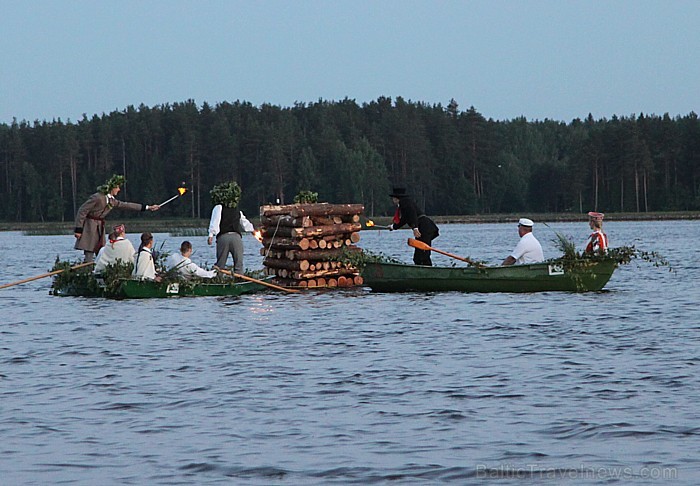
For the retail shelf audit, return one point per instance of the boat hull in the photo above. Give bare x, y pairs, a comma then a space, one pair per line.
539, 277
149, 289
145, 289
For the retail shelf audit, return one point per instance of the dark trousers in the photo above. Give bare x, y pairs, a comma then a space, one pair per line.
428, 232
230, 243
422, 257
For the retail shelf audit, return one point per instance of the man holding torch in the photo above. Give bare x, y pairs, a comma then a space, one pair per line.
90, 221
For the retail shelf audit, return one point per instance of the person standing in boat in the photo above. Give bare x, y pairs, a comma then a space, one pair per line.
118, 248
181, 263
528, 249
145, 267
598, 241
424, 229
90, 221
227, 224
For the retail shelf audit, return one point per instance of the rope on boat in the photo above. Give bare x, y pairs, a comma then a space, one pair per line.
272, 240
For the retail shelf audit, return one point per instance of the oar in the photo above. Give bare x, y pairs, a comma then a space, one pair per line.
55, 272
424, 246
251, 279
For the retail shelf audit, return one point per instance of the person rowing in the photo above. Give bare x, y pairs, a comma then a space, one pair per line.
424, 229
528, 249
184, 266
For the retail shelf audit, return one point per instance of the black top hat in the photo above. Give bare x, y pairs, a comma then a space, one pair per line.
398, 192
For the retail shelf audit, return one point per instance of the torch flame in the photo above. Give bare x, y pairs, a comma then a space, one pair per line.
182, 190
369, 223
258, 235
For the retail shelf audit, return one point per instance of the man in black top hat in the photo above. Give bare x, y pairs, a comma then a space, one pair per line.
424, 229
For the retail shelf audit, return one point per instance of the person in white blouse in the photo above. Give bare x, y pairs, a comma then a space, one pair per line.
118, 249
186, 267
145, 268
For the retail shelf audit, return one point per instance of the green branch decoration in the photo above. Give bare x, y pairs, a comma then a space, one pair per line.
360, 259
80, 280
115, 181
306, 197
227, 194
579, 263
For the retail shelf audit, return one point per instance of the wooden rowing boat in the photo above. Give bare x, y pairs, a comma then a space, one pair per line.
540, 277
149, 289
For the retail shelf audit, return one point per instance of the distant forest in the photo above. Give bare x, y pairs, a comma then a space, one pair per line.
451, 161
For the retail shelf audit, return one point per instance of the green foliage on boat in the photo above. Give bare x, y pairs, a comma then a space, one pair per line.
622, 255
360, 259
84, 282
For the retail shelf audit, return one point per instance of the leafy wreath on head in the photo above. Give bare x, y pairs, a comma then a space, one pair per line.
227, 194
115, 181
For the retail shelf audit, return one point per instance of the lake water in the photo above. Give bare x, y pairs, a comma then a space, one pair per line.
356, 387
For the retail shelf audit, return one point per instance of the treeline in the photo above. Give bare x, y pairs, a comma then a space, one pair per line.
452, 161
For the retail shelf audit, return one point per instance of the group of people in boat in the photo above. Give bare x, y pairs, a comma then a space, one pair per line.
528, 250
119, 248
226, 225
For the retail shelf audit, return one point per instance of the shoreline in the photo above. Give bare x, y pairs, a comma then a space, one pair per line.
138, 225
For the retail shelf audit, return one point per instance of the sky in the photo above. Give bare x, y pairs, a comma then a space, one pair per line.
538, 59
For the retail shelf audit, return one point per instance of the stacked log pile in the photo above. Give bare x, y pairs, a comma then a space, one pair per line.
303, 243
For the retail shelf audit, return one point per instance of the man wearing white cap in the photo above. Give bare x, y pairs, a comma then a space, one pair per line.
528, 249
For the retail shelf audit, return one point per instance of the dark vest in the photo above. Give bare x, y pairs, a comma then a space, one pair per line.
230, 220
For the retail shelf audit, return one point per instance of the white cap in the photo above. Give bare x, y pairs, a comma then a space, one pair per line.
525, 222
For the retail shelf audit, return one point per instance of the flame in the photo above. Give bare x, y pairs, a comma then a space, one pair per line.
369, 223
182, 190
258, 235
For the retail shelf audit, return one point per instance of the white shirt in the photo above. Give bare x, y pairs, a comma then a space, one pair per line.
145, 268
215, 221
121, 249
528, 250
187, 267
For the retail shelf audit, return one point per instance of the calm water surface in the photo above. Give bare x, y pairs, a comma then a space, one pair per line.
355, 387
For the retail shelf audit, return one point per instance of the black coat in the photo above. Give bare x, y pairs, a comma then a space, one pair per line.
410, 215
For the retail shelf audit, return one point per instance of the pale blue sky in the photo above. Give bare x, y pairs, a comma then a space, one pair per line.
555, 59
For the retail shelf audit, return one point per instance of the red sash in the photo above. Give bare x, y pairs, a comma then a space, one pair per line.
100, 232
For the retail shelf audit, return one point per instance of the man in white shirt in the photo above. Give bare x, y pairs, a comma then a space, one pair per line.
528, 249
186, 267
227, 224
118, 248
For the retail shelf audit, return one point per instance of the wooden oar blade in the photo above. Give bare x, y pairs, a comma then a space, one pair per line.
424, 246
418, 244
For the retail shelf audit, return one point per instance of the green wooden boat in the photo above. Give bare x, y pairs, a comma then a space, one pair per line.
540, 277
149, 289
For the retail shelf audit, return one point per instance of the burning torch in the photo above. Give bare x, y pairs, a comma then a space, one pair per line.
180, 191
370, 224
